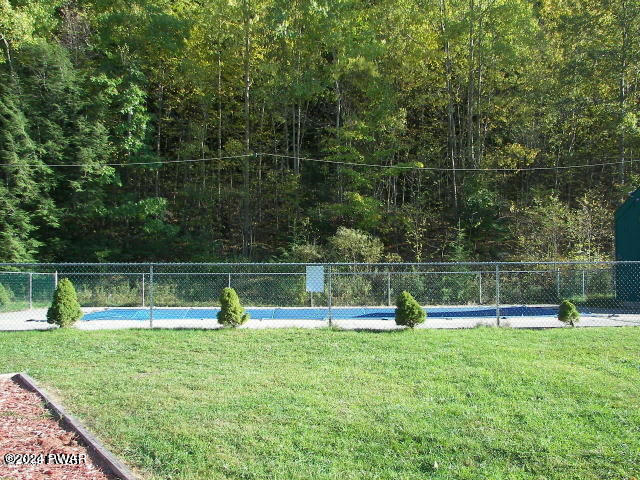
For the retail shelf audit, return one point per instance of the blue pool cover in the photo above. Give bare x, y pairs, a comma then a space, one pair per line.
338, 313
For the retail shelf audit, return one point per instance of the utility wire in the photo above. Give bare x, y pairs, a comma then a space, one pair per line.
335, 162
448, 169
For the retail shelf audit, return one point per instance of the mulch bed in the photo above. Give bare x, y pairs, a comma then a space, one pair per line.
47, 450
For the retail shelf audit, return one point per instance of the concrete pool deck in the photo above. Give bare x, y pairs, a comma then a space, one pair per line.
35, 319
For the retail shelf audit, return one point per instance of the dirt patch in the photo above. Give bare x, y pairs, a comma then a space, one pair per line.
33, 446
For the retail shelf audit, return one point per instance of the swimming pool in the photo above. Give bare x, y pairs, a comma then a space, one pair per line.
318, 313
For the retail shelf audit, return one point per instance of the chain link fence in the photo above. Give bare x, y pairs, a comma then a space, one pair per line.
525, 294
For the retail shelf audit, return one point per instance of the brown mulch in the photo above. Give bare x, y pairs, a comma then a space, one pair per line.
26, 428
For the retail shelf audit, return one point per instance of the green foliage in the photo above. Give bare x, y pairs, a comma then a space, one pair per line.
568, 313
112, 291
91, 83
549, 229
408, 311
305, 253
21, 188
349, 245
363, 211
231, 313
353, 290
457, 288
65, 309
597, 300
460, 251
5, 296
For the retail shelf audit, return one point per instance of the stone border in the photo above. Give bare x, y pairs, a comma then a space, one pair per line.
103, 457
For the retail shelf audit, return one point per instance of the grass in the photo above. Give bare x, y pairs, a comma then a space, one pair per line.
296, 404
21, 305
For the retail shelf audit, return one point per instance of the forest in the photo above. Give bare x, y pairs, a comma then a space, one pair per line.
316, 130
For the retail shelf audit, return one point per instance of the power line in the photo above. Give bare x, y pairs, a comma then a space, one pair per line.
334, 162
449, 169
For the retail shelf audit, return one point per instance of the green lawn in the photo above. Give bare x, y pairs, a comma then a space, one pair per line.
323, 404
21, 305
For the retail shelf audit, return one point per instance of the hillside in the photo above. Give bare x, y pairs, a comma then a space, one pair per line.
190, 130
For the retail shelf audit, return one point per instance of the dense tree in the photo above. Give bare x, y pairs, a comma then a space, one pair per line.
430, 116
25, 180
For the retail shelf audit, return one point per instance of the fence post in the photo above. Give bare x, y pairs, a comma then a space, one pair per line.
389, 289
151, 296
584, 289
558, 283
498, 294
143, 289
480, 288
229, 281
55, 279
30, 290
330, 294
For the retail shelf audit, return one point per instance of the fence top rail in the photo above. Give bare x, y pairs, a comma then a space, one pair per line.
343, 264
25, 273
235, 273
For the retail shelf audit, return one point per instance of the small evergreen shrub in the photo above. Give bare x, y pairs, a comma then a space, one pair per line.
231, 312
65, 309
408, 311
5, 296
568, 313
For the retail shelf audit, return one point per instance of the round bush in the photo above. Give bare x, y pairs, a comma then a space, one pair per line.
568, 313
5, 296
65, 309
231, 312
408, 311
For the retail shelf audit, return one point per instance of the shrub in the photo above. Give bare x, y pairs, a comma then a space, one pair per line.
5, 296
408, 311
568, 313
108, 292
65, 309
231, 312
352, 290
355, 246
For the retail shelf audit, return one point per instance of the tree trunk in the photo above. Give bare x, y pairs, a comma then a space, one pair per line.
219, 130
623, 89
246, 212
451, 130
